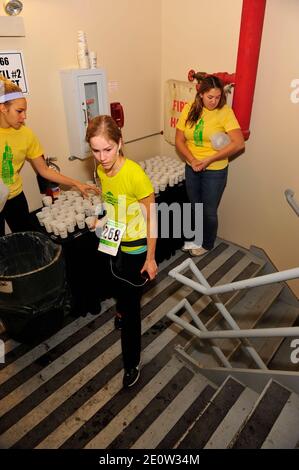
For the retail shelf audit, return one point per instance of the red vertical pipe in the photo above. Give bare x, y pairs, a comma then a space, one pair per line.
251, 28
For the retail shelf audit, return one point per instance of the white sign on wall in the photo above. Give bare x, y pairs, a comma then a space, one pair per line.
12, 67
177, 94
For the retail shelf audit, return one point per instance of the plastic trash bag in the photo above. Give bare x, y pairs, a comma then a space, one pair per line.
219, 140
33, 288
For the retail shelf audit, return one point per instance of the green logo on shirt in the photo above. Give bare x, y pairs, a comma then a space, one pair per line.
7, 166
110, 199
198, 133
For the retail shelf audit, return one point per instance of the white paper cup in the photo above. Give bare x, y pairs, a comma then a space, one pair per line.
48, 225
79, 209
55, 212
57, 204
62, 229
89, 211
72, 218
80, 219
171, 181
47, 201
70, 225
69, 195
41, 216
54, 227
93, 59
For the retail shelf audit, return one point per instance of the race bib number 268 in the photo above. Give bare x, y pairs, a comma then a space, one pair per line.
111, 237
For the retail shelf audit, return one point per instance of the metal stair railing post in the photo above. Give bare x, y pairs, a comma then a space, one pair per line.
203, 287
227, 316
201, 327
222, 309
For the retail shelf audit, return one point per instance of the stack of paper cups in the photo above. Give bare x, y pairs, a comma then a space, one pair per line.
83, 56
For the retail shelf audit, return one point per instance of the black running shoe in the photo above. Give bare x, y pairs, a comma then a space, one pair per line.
130, 377
118, 322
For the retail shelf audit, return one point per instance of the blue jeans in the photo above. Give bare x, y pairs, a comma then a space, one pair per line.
206, 187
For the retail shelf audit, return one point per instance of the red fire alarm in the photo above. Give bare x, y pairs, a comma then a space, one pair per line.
117, 113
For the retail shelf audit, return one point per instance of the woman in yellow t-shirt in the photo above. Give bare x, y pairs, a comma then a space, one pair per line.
129, 200
18, 143
207, 134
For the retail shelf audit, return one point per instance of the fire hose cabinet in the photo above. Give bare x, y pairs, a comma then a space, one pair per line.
85, 95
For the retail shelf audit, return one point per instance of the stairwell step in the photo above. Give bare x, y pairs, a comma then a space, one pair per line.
280, 315
232, 422
206, 424
287, 294
172, 413
282, 357
246, 313
152, 410
262, 418
254, 304
184, 423
249, 312
211, 313
285, 432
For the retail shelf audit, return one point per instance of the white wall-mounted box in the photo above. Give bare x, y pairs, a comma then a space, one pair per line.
85, 96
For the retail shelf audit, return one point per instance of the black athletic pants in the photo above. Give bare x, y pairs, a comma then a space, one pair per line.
128, 298
16, 214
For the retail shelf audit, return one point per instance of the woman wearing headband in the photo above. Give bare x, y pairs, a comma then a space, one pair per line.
18, 143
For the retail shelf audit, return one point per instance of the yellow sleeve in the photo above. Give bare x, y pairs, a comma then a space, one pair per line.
34, 148
230, 121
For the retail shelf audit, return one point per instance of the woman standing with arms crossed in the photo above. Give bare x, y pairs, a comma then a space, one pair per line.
18, 143
129, 200
206, 167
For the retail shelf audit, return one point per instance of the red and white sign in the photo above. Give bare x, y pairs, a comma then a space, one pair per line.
177, 94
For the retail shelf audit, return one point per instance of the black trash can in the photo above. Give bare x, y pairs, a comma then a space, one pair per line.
33, 293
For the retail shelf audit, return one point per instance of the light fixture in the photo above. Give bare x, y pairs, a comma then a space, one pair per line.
13, 7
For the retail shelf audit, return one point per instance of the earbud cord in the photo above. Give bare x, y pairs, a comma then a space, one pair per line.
126, 280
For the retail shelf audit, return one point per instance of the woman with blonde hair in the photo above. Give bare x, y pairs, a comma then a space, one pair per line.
129, 199
18, 143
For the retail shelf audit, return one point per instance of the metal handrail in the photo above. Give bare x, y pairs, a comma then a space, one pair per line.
289, 194
233, 286
203, 287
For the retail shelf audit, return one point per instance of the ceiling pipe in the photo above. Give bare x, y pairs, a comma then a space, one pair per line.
251, 28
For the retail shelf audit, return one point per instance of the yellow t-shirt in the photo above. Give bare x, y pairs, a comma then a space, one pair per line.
121, 194
15, 146
198, 136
